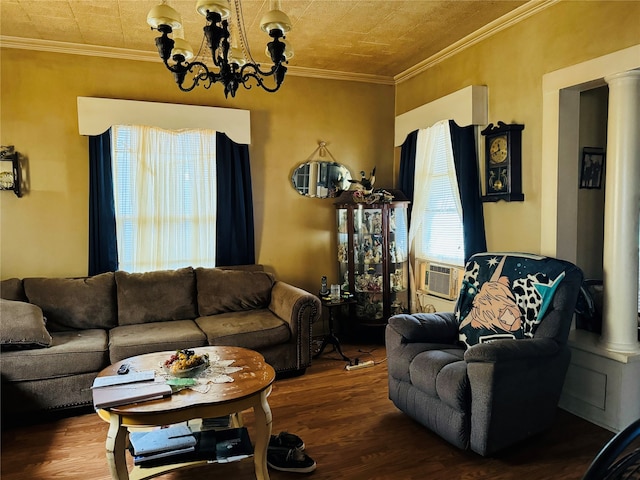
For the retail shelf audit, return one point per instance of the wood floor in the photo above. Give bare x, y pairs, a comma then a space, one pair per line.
349, 426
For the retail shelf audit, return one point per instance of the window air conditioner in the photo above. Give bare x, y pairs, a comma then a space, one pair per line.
439, 279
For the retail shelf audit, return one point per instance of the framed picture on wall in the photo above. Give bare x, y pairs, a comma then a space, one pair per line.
592, 167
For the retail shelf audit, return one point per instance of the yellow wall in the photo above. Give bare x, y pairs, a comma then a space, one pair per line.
45, 232
511, 64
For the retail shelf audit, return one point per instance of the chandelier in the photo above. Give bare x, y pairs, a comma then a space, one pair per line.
235, 66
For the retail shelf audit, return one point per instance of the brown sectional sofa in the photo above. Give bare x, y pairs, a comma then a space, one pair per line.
58, 333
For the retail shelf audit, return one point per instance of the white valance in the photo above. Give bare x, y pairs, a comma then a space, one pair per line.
96, 115
467, 106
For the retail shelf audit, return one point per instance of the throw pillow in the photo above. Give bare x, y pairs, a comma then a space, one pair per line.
12, 289
75, 303
221, 291
505, 296
22, 326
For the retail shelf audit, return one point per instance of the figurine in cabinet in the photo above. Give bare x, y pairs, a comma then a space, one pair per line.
397, 280
376, 223
343, 254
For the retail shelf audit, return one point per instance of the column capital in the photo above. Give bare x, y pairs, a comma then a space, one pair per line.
629, 74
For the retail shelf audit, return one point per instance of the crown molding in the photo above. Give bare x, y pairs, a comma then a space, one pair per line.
515, 16
69, 48
335, 75
510, 19
141, 55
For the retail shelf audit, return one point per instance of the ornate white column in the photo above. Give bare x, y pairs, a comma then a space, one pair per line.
622, 211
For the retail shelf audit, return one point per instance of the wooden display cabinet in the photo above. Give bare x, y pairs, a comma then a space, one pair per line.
373, 256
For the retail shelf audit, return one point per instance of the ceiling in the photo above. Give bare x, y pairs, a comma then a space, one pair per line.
367, 38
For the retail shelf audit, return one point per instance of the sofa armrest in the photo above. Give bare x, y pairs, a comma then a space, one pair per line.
292, 304
507, 350
439, 327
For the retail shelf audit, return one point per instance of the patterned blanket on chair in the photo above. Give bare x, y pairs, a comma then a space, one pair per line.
505, 295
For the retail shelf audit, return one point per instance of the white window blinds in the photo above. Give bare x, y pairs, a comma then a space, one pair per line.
436, 226
165, 197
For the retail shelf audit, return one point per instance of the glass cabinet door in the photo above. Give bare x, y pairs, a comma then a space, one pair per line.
343, 249
398, 260
368, 247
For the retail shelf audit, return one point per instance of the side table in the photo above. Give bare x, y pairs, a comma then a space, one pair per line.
331, 338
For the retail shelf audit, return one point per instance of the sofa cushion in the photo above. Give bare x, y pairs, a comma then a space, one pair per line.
252, 329
70, 353
130, 340
156, 296
74, 303
22, 326
221, 291
12, 289
506, 296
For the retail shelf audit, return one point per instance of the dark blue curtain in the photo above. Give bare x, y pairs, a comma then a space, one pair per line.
235, 234
235, 243
408, 167
466, 163
103, 250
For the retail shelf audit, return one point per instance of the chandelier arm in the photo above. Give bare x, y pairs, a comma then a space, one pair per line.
258, 70
180, 71
259, 82
278, 71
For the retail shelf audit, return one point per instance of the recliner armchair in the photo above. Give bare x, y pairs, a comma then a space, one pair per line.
489, 374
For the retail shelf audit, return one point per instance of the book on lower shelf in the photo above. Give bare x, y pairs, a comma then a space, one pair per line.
214, 446
161, 440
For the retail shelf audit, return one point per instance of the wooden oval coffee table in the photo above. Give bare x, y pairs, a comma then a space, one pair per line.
249, 390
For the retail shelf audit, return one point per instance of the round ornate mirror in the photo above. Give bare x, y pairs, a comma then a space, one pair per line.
319, 178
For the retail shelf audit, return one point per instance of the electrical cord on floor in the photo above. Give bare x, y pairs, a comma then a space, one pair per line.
357, 360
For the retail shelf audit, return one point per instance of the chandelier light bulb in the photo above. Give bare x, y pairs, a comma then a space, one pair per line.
275, 19
163, 14
236, 56
288, 51
219, 6
182, 47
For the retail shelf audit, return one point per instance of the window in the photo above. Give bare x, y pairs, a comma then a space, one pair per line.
436, 221
165, 197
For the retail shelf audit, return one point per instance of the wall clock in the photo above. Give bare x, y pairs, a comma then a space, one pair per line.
503, 162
